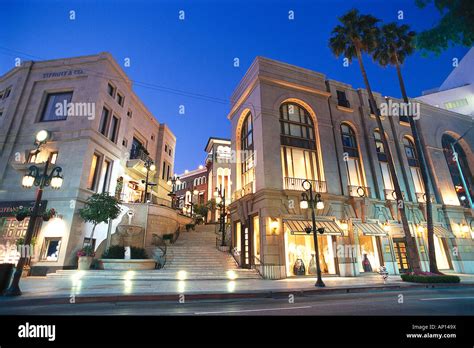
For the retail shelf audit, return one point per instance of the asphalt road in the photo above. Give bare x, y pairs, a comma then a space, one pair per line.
436, 302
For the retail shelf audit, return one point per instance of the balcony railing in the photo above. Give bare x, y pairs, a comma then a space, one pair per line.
246, 190
297, 184
139, 154
391, 195
358, 191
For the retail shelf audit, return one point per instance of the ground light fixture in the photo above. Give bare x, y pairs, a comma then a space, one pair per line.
40, 177
313, 201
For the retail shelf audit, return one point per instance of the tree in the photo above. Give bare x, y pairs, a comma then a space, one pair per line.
455, 26
394, 44
201, 209
355, 35
100, 207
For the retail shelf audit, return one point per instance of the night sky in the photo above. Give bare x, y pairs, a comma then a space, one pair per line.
191, 62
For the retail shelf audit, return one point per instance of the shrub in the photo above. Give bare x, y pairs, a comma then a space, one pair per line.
86, 251
114, 252
118, 252
426, 277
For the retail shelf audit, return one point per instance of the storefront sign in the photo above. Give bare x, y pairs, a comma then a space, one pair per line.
64, 73
7, 209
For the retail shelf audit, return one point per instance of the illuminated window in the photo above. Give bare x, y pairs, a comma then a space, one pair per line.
458, 168
456, 104
351, 151
246, 140
414, 164
53, 157
382, 157
298, 150
93, 173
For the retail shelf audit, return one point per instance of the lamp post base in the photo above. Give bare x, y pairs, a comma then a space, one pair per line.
319, 283
13, 291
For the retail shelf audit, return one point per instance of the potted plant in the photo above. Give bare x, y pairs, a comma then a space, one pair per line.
85, 257
48, 214
99, 208
21, 213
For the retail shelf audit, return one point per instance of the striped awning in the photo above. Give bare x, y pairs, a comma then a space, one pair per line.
440, 231
370, 228
300, 226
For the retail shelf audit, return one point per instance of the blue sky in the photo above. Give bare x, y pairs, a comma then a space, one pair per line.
196, 55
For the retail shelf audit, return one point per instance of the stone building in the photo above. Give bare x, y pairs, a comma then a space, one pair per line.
291, 124
101, 136
192, 189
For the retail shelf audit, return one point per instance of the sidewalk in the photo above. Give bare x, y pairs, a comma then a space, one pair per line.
49, 291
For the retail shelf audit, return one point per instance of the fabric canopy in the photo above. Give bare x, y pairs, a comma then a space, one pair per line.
370, 228
300, 226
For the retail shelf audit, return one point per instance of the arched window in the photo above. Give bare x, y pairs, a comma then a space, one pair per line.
415, 171
298, 147
246, 141
382, 157
459, 169
352, 160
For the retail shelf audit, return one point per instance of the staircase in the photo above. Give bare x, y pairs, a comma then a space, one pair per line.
193, 256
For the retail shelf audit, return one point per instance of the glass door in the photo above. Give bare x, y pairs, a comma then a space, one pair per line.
399, 246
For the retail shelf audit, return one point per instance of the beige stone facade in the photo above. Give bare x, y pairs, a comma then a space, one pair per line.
101, 145
340, 155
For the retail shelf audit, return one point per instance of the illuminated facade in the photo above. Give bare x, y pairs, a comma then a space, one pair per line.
101, 143
291, 124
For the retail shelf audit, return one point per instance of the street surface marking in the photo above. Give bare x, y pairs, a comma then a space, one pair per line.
254, 310
445, 298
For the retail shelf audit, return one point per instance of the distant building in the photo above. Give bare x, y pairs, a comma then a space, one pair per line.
192, 190
219, 163
101, 146
457, 91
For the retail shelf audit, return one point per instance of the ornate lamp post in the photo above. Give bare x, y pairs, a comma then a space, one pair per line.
173, 181
41, 180
149, 166
220, 199
313, 201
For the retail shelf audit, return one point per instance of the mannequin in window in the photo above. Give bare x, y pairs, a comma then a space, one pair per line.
366, 264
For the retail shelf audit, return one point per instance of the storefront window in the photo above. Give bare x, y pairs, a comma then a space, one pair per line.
50, 250
301, 259
256, 240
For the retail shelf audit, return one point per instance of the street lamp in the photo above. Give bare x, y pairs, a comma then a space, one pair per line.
173, 181
41, 180
313, 201
149, 166
220, 199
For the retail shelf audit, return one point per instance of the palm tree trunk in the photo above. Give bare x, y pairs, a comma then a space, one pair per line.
412, 254
422, 155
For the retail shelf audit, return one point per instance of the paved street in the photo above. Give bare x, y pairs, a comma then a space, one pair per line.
454, 301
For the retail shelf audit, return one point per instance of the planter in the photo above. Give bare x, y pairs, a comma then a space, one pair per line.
132, 264
84, 263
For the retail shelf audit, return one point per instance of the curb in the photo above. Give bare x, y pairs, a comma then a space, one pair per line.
176, 297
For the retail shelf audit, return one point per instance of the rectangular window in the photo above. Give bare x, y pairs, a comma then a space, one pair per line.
87, 242
456, 104
164, 171
105, 176
93, 173
353, 171
342, 99
417, 180
166, 148
170, 151
1, 112
129, 113
7, 93
51, 106
50, 251
104, 121
53, 157
120, 99
111, 90
168, 173
387, 178
114, 124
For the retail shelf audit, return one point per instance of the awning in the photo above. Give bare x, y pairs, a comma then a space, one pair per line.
370, 228
440, 231
299, 226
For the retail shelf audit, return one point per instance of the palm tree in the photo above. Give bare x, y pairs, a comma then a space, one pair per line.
356, 34
395, 43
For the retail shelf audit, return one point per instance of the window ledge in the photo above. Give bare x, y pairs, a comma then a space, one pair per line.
343, 108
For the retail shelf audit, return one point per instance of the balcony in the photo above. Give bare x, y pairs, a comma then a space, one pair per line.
136, 162
390, 195
246, 190
358, 191
296, 184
